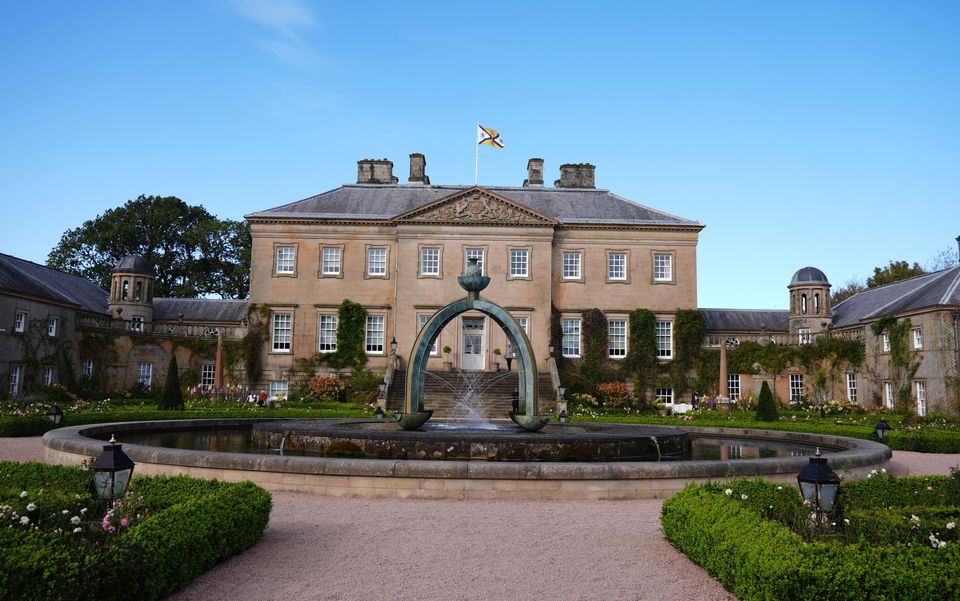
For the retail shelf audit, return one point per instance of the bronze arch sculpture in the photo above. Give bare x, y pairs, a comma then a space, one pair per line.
414, 414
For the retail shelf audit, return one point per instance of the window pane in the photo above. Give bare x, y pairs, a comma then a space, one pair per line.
571, 337
475, 253
284, 259
429, 261
144, 373
664, 331
571, 265
207, 375
664, 393
617, 266
327, 334
374, 334
852, 387
422, 321
796, 386
524, 321
518, 262
331, 261
278, 389
733, 386
377, 261
282, 331
617, 336
662, 267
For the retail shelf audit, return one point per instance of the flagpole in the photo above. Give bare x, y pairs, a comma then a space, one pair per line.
476, 166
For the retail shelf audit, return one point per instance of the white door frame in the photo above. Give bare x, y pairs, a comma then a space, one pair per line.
475, 358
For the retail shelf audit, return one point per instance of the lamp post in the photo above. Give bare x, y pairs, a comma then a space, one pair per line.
882, 427
112, 471
55, 414
382, 388
550, 350
393, 345
563, 416
561, 390
818, 485
378, 412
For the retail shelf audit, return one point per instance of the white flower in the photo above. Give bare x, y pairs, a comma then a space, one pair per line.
951, 525
869, 475
23, 495
914, 519
846, 521
728, 492
65, 511
31, 507
873, 472
779, 488
942, 545
24, 520
77, 530
84, 510
883, 470
75, 520
744, 497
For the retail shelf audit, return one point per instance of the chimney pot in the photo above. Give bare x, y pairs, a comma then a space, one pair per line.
418, 169
375, 171
534, 173
576, 175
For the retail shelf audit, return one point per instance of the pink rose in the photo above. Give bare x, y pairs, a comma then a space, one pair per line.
124, 522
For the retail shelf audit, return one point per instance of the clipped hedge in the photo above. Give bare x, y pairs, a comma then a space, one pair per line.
193, 525
757, 558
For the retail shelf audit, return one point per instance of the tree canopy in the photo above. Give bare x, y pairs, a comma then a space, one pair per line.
192, 252
894, 272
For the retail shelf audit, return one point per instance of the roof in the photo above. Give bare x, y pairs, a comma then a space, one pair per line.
30, 279
809, 275
745, 320
378, 202
199, 309
134, 264
923, 291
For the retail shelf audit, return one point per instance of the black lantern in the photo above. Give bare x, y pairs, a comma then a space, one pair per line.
563, 416
382, 386
819, 485
378, 412
112, 471
393, 346
550, 350
561, 390
55, 414
882, 428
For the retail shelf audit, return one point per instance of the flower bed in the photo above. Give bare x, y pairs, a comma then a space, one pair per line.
893, 539
58, 542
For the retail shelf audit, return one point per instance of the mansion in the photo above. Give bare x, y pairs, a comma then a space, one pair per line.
551, 252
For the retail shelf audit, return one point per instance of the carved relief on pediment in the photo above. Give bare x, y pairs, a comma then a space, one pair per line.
476, 208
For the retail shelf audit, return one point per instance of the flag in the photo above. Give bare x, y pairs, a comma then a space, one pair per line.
490, 137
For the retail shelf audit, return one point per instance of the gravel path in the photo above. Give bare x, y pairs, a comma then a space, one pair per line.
344, 549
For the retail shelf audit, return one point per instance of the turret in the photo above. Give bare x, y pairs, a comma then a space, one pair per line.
131, 291
810, 310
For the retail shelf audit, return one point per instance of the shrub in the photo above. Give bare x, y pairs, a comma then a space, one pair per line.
614, 394
766, 405
363, 385
172, 397
325, 388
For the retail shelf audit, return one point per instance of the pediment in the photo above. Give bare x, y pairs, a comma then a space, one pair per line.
475, 206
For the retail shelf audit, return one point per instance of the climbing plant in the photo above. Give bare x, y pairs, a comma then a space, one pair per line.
641, 363
688, 329
903, 363
351, 326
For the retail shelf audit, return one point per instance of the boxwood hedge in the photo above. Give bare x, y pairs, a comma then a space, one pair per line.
760, 558
193, 524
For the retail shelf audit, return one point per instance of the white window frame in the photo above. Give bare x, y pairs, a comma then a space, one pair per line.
377, 269
327, 324
422, 319
429, 262
331, 265
886, 342
52, 324
570, 340
662, 267
20, 322
616, 338
86, 368
480, 254
920, 387
281, 332
15, 373
917, 338
374, 337
617, 266
282, 263
136, 323
519, 263
524, 322
47, 375
208, 374
805, 337
571, 265
733, 386
145, 373
278, 388
664, 334
664, 393
852, 387
888, 395
796, 387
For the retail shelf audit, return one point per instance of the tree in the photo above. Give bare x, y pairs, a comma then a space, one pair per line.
853, 286
894, 272
766, 405
192, 252
172, 397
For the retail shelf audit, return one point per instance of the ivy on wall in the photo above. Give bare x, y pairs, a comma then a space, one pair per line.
903, 363
593, 361
351, 326
641, 364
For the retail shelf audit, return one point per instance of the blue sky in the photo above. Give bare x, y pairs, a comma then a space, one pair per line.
820, 133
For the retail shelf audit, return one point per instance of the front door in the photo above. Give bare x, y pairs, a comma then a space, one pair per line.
472, 352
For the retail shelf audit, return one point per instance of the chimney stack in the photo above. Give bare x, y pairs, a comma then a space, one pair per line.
373, 171
576, 175
418, 169
534, 173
